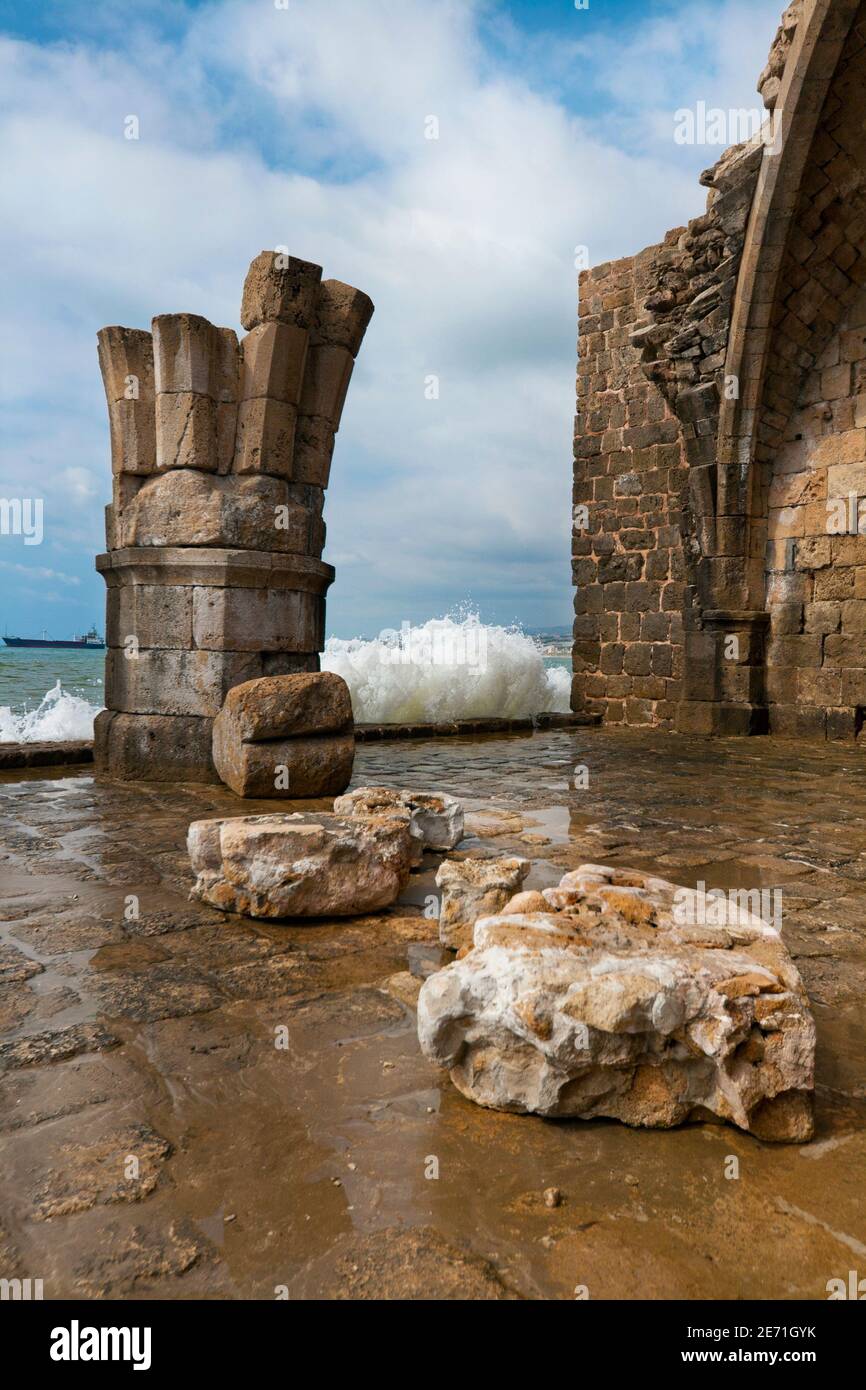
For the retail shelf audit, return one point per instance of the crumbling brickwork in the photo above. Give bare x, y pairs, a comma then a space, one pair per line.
221, 452
630, 475
816, 553
747, 328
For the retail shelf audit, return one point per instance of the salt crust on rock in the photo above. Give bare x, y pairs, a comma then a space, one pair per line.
620, 1002
301, 865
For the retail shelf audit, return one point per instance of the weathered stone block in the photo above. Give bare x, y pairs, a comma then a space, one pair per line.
266, 620
132, 429
185, 507
473, 888
290, 768
274, 357
287, 707
265, 437
186, 432
153, 748
436, 819
342, 316
175, 682
187, 353
311, 865
212, 566
326, 381
314, 449
289, 736
280, 287
126, 363
156, 615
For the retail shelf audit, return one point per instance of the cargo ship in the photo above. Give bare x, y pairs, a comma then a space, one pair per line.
89, 639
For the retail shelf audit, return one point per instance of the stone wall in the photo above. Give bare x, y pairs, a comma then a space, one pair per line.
816, 552
628, 563
707, 497
221, 452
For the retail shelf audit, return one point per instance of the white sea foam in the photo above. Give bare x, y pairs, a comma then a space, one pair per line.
58, 717
448, 668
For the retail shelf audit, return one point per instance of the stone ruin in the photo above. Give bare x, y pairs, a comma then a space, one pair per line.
719, 547
221, 453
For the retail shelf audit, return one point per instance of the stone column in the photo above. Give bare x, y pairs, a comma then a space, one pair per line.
220, 454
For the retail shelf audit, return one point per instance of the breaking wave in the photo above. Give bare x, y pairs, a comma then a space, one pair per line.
447, 668
58, 717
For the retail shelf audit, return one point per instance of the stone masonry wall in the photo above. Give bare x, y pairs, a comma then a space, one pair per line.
720, 412
653, 330
816, 551
630, 476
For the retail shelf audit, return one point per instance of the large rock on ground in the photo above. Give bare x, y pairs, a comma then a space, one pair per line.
300, 865
623, 1001
286, 736
473, 888
437, 819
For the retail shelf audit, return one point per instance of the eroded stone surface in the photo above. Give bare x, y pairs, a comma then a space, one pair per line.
473, 888
436, 819
300, 865
225, 447
286, 736
627, 1000
288, 706
286, 768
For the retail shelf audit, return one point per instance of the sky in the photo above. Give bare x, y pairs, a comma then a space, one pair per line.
305, 123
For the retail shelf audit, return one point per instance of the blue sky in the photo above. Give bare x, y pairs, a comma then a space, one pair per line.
305, 127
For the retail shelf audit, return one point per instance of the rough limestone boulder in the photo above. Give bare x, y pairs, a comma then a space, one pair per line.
473, 888
301, 865
436, 819
286, 736
630, 999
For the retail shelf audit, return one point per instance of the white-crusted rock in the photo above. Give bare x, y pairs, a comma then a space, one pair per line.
302, 865
638, 1001
437, 819
473, 888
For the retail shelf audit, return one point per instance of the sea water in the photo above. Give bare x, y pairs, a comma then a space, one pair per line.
449, 668
49, 694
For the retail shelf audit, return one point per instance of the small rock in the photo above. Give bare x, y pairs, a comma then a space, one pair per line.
552, 1197
300, 865
473, 888
435, 818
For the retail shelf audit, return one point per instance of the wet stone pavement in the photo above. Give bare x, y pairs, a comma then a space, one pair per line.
194, 1105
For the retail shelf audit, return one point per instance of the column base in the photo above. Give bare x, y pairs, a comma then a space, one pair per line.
153, 747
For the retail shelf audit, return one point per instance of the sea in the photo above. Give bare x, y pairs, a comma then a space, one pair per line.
446, 668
